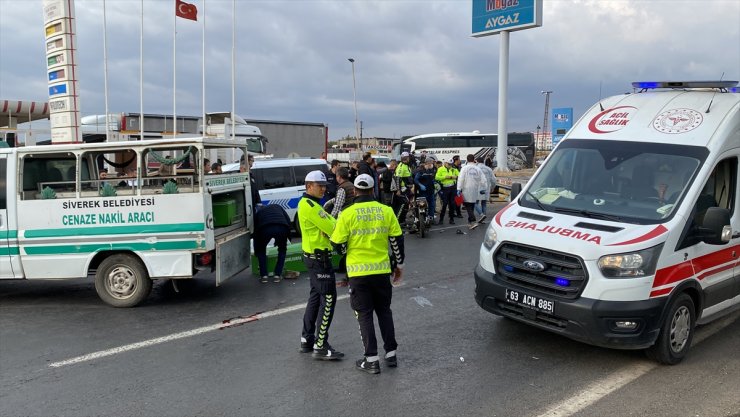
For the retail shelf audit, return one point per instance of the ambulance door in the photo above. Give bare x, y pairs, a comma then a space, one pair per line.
714, 265
6, 270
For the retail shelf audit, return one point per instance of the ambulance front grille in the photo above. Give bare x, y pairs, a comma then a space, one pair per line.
562, 275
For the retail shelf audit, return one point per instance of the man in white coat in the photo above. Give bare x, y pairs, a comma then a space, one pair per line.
480, 207
471, 183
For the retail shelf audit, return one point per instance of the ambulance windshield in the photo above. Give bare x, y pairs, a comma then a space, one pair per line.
631, 182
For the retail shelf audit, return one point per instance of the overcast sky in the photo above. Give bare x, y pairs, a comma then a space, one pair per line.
418, 69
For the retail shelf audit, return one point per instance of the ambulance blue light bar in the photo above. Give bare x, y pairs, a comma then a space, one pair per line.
684, 84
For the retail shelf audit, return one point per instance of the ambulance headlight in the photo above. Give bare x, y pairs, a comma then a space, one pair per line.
491, 237
630, 265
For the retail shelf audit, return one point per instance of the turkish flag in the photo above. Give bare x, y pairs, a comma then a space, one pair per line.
186, 10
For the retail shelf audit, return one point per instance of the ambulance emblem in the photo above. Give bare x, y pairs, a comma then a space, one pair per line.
678, 121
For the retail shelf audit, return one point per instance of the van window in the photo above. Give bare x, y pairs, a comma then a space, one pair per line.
278, 177
56, 171
302, 170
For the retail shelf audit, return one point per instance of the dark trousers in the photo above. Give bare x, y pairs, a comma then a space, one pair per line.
470, 208
321, 299
401, 206
370, 294
448, 200
262, 237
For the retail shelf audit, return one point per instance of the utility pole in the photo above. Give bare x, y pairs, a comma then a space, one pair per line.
354, 94
546, 119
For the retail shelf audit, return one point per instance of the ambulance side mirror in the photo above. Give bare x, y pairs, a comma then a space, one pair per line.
716, 229
516, 189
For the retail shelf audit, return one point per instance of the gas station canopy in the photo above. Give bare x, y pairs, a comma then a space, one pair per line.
14, 112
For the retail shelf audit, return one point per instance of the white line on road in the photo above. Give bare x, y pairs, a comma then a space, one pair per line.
605, 386
189, 333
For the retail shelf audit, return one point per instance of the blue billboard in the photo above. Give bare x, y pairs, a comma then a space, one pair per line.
562, 121
493, 16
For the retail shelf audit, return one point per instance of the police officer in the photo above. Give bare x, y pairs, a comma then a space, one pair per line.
364, 230
316, 227
403, 181
447, 176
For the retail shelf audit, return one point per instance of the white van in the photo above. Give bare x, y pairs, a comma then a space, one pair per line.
281, 180
629, 234
128, 212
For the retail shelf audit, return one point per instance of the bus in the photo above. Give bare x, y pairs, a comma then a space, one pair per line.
443, 145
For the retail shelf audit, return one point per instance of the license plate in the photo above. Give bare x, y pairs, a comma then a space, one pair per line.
530, 301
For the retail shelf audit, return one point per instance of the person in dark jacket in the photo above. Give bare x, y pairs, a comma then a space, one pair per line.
271, 222
331, 181
366, 167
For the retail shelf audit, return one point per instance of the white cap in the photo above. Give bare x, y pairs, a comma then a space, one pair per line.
317, 177
451, 161
364, 182
405, 154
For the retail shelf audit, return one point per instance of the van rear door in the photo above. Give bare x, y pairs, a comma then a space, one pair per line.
6, 269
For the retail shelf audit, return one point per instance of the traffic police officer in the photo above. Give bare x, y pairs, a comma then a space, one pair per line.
316, 227
364, 230
402, 183
447, 176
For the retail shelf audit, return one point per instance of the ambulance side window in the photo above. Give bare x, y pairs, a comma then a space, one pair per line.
718, 191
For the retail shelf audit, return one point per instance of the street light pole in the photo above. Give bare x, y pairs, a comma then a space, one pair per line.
545, 121
354, 94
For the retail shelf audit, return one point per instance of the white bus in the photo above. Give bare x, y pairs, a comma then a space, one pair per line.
445, 145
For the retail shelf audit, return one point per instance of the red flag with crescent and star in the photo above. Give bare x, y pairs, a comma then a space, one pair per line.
186, 10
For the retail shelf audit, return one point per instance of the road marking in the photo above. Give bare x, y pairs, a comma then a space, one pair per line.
189, 333
605, 386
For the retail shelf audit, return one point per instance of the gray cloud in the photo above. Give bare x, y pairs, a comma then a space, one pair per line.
418, 69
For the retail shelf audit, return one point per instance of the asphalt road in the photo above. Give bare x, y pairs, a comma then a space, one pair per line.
454, 358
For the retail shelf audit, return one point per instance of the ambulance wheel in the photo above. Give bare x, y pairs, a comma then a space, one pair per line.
122, 281
676, 332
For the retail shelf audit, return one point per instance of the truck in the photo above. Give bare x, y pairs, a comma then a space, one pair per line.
628, 235
294, 139
74, 210
128, 126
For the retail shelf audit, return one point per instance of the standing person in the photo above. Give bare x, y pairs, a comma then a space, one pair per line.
457, 162
331, 181
491, 182
403, 181
366, 167
353, 171
369, 270
345, 192
255, 192
271, 222
470, 183
386, 178
424, 180
447, 176
316, 227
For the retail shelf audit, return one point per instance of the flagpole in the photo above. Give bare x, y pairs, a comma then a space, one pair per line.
105, 73
174, 72
203, 70
233, 67
141, 74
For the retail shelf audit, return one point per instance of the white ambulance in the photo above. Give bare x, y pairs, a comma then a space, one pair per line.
629, 234
128, 212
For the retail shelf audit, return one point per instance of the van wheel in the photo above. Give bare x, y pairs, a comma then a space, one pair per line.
122, 281
676, 332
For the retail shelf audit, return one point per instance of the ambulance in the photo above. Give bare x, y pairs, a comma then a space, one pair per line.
628, 236
74, 210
